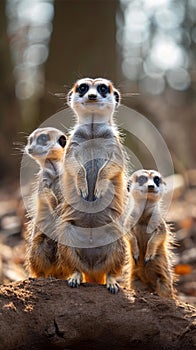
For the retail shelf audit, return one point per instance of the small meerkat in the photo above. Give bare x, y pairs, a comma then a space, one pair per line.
47, 147
94, 177
149, 236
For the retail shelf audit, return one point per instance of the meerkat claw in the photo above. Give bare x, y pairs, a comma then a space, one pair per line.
73, 283
147, 259
83, 194
74, 280
97, 194
112, 285
136, 259
113, 288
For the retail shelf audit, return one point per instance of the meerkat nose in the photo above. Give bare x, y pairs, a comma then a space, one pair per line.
92, 97
151, 187
30, 150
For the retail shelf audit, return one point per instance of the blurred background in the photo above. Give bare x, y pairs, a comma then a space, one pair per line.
146, 47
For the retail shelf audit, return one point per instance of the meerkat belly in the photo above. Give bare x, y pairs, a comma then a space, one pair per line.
142, 239
92, 169
92, 258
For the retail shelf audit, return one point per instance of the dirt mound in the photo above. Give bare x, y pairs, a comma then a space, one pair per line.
47, 314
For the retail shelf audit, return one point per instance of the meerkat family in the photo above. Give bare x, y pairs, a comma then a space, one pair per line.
86, 182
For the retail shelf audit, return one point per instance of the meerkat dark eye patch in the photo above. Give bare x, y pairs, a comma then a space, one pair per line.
62, 141
43, 139
82, 89
157, 180
142, 180
103, 89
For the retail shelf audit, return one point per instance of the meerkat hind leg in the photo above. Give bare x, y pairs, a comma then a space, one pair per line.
164, 288
42, 256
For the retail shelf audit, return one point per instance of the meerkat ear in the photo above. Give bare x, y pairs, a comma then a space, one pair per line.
129, 185
62, 141
165, 184
69, 97
117, 97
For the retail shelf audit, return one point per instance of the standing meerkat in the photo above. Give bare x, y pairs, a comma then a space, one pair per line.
149, 236
94, 187
47, 147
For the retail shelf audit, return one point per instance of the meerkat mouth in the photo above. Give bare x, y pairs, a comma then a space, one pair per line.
39, 154
151, 190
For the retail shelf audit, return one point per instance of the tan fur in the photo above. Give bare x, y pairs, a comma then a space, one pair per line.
93, 177
150, 238
41, 257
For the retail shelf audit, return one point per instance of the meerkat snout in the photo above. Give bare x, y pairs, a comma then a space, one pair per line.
151, 188
92, 97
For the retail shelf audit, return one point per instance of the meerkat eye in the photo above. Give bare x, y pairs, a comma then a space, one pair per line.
142, 180
157, 180
62, 141
82, 89
103, 89
43, 139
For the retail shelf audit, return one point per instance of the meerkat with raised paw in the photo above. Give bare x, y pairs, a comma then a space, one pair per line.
94, 182
47, 147
149, 236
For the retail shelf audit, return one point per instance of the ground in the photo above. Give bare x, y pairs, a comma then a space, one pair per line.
47, 314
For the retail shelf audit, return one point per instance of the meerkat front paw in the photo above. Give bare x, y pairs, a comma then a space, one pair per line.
148, 258
82, 185
112, 285
134, 248
150, 253
136, 257
82, 190
74, 280
101, 188
50, 197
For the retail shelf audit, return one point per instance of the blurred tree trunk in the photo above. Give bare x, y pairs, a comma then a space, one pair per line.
83, 44
9, 110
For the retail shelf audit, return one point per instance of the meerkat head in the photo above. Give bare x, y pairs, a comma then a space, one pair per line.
146, 184
46, 143
96, 96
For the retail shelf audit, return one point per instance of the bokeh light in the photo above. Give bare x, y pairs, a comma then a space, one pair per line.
155, 38
29, 30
